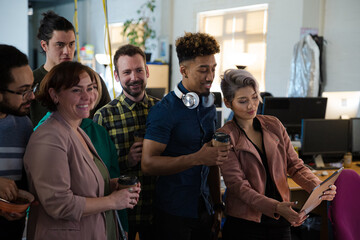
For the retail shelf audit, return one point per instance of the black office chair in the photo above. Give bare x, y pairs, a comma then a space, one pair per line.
263, 94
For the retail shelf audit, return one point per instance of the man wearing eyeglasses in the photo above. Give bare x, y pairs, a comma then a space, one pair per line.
16, 94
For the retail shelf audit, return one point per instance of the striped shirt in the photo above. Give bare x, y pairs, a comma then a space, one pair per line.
14, 135
121, 117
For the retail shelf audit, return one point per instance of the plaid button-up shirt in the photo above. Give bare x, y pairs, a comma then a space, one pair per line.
121, 117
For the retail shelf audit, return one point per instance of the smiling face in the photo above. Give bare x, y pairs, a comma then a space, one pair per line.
244, 104
75, 103
60, 48
132, 74
15, 104
198, 74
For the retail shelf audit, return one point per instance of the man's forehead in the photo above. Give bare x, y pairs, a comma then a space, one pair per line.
130, 62
63, 36
205, 61
22, 76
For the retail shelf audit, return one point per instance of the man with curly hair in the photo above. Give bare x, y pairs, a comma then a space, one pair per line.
177, 147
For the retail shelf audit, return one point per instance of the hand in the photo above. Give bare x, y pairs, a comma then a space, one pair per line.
134, 156
12, 216
329, 194
285, 210
216, 224
8, 189
137, 189
125, 198
211, 156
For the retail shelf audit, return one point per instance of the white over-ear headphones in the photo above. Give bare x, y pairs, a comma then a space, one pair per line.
191, 99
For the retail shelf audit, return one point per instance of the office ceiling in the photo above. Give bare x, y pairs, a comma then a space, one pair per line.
47, 3
51, 1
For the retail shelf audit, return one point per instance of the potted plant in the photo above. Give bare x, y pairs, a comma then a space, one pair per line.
139, 30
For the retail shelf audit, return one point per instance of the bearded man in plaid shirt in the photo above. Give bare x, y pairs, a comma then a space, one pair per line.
121, 118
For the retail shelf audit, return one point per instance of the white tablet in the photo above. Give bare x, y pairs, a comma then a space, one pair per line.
313, 201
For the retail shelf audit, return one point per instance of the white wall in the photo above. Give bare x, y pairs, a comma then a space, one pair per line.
336, 20
14, 24
284, 22
342, 33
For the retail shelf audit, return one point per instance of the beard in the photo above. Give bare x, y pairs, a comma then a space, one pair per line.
6, 108
205, 94
128, 90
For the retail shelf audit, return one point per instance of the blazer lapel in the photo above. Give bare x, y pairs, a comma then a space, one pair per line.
90, 160
243, 144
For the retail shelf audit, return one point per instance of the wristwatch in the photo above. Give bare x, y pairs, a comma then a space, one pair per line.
219, 206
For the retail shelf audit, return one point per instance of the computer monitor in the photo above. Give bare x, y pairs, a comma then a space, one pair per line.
342, 105
290, 111
156, 92
355, 137
324, 136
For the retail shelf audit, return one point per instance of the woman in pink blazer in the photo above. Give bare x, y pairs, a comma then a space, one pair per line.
76, 196
258, 199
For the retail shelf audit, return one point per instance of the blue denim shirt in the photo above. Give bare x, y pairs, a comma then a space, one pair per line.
184, 131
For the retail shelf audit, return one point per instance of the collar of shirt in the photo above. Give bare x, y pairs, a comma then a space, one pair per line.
130, 104
182, 88
256, 124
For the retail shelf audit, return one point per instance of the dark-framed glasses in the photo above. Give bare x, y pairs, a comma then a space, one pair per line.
26, 94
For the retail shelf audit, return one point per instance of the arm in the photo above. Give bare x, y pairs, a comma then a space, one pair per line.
50, 167
118, 200
240, 187
135, 152
154, 164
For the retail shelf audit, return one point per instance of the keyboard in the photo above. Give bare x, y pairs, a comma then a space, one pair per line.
330, 166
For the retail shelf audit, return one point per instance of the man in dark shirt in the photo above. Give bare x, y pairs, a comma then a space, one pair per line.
57, 39
177, 147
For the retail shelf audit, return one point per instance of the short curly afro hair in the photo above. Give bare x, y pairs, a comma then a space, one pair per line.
192, 45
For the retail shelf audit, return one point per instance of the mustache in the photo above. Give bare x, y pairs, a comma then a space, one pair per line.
23, 104
135, 83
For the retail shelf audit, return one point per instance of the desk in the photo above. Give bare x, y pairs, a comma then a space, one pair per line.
300, 195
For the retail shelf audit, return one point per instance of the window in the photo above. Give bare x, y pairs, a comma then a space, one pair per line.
241, 33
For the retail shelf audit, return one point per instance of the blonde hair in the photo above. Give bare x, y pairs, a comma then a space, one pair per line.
99, 89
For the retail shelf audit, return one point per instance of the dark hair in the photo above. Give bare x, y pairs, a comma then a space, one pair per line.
52, 22
62, 76
128, 50
10, 57
192, 45
233, 79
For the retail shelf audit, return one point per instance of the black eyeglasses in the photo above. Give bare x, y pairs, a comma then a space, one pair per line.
25, 94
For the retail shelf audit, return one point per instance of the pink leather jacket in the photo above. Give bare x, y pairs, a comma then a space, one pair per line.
244, 173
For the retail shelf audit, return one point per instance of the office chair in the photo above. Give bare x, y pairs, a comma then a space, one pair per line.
344, 210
